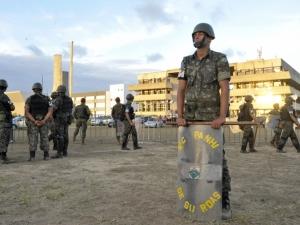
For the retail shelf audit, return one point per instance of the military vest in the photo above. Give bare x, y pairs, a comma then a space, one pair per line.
67, 105
202, 98
5, 113
118, 111
131, 111
284, 113
38, 106
245, 112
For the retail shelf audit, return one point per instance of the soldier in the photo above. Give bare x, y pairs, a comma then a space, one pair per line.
6, 106
202, 75
129, 125
274, 123
116, 114
247, 114
287, 119
37, 112
62, 107
51, 136
82, 114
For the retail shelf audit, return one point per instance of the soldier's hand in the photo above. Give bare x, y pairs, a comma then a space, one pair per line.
217, 123
181, 122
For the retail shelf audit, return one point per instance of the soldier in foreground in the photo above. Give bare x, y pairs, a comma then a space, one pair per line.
247, 113
287, 119
6, 107
62, 107
129, 125
37, 112
82, 114
116, 114
202, 75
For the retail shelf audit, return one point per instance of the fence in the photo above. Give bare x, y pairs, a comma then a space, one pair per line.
166, 134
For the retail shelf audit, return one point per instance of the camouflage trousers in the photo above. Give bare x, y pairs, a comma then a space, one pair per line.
288, 132
129, 130
276, 137
4, 138
80, 123
33, 133
248, 137
61, 136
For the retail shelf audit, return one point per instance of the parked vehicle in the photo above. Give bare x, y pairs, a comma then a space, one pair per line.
96, 121
151, 122
19, 122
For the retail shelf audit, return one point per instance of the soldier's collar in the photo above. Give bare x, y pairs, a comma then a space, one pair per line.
207, 56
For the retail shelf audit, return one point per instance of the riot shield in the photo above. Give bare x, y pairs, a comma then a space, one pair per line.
199, 184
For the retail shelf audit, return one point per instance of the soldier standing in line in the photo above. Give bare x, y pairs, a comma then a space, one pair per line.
202, 76
82, 114
287, 119
116, 114
51, 136
6, 106
247, 113
274, 122
129, 125
37, 112
62, 107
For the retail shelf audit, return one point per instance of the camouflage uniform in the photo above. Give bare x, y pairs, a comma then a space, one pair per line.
51, 124
129, 129
62, 106
277, 129
248, 135
287, 128
38, 106
81, 114
5, 124
202, 97
116, 112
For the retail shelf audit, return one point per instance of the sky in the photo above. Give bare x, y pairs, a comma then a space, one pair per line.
114, 41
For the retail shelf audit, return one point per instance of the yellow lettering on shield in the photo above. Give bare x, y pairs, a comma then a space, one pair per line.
211, 202
181, 143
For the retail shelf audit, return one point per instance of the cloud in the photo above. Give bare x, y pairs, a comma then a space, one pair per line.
79, 51
35, 50
152, 13
154, 57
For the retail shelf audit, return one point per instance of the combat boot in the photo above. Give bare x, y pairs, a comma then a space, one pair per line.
137, 147
226, 209
4, 157
57, 156
125, 148
82, 141
46, 155
65, 153
31, 155
243, 151
252, 150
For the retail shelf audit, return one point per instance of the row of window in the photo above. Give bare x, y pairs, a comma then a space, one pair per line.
265, 84
151, 92
155, 107
274, 69
154, 80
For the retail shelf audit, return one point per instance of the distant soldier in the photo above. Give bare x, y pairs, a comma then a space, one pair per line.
287, 119
247, 114
129, 125
82, 114
6, 106
62, 107
116, 113
37, 112
274, 118
51, 136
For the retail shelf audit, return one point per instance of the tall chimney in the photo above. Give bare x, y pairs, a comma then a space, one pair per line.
57, 71
71, 69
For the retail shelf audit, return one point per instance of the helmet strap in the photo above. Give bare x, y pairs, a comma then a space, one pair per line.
201, 44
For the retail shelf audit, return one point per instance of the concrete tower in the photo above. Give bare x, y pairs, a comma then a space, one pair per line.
57, 72
71, 69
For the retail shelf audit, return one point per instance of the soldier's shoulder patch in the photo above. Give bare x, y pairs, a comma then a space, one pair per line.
181, 74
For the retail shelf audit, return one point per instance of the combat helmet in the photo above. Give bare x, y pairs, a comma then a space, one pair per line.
61, 89
3, 83
129, 97
248, 98
54, 94
289, 100
37, 86
206, 28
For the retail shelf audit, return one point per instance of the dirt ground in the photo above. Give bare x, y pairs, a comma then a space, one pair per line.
99, 184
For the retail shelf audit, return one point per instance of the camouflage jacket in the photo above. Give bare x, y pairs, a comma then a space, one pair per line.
202, 97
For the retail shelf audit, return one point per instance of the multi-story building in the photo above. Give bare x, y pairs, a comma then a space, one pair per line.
97, 101
268, 81
156, 93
